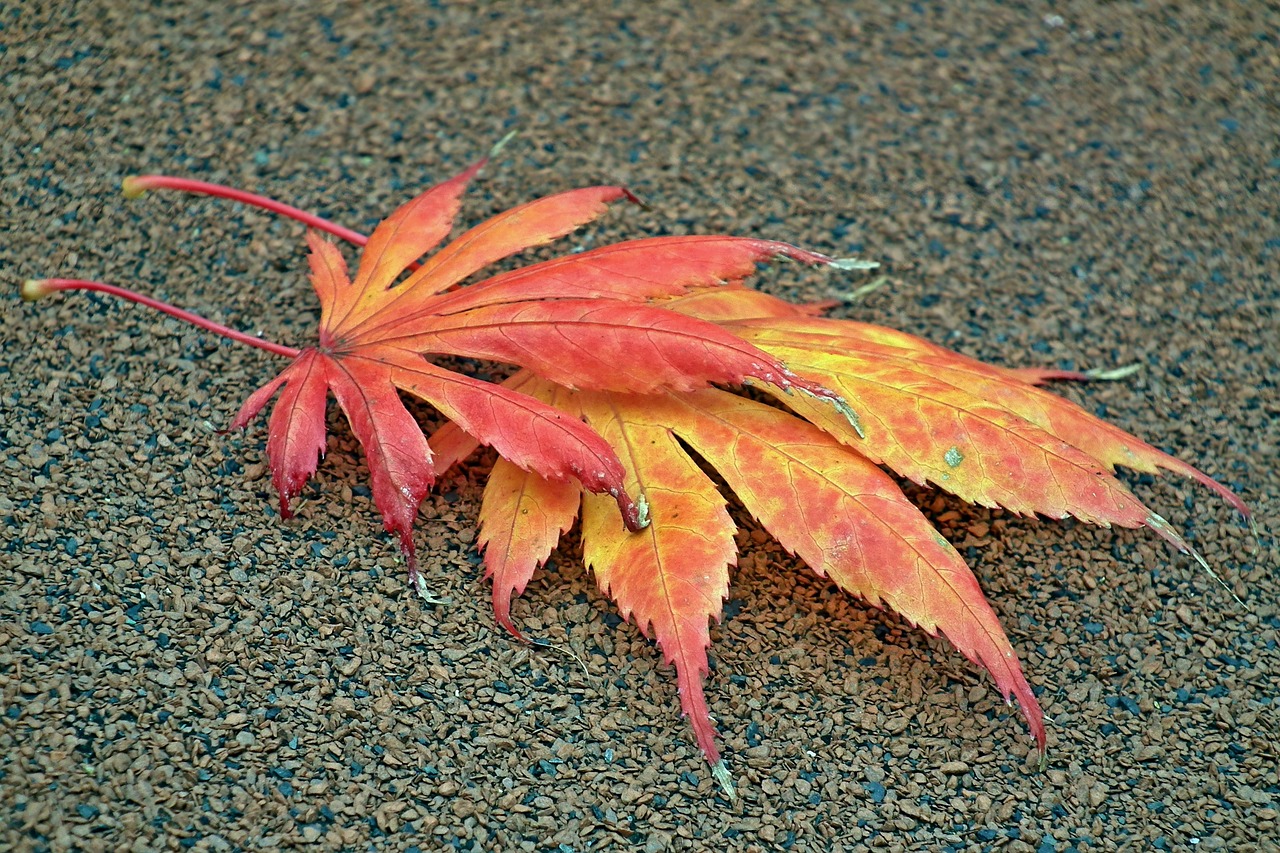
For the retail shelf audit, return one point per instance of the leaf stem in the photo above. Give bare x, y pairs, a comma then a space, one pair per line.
136, 185
33, 289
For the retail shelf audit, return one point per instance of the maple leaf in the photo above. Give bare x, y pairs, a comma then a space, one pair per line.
616, 348
582, 321
981, 432
816, 487
830, 506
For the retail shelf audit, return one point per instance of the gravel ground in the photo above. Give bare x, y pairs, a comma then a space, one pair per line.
1080, 185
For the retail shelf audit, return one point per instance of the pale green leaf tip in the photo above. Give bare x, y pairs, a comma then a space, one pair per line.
851, 416
868, 288
850, 264
1160, 525
1114, 373
721, 774
841, 405
502, 143
424, 592
642, 512
132, 187
35, 288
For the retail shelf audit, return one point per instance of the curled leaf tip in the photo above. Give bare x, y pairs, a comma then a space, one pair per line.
635, 514
134, 186
424, 592
35, 288
720, 773
850, 264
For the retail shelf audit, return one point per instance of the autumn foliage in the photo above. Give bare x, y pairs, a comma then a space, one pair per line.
626, 356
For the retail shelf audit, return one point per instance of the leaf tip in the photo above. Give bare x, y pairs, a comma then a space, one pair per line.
635, 513
841, 405
1166, 532
635, 199
720, 772
1112, 374
36, 288
852, 264
511, 629
502, 143
865, 290
419, 584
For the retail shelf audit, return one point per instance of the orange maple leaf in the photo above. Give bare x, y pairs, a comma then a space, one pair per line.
825, 503
815, 486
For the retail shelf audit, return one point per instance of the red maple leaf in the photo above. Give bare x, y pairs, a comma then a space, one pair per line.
583, 321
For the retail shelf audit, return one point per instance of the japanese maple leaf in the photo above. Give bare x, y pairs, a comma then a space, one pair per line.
816, 487
934, 416
830, 506
579, 321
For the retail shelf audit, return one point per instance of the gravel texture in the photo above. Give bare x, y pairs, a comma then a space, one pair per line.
1079, 185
